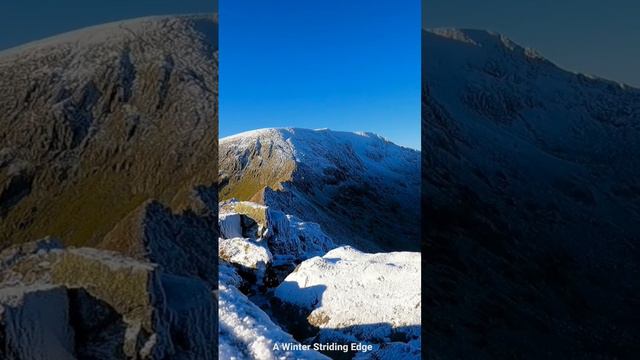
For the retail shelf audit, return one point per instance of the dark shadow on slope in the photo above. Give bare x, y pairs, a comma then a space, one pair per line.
99, 329
500, 278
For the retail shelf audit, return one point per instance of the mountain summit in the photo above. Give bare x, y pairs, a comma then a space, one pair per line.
327, 176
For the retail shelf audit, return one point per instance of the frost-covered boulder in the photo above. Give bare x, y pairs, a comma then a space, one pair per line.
288, 238
34, 323
251, 257
247, 332
350, 295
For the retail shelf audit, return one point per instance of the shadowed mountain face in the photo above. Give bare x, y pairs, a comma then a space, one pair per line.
362, 189
96, 122
108, 141
530, 202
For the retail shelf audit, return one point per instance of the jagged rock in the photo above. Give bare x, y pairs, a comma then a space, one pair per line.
288, 238
252, 258
125, 305
100, 331
246, 332
191, 318
181, 244
34, 323
253, 218
230, 225
11, 255
348, 294
29, 263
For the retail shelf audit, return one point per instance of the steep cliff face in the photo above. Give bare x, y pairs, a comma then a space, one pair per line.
362, 189
530, 203
96, 122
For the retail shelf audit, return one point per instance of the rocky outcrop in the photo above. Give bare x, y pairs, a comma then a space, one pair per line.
286, 237
111, 304
303, 290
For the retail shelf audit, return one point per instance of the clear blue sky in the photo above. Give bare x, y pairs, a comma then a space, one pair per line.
22, 21
590, 36
351, 65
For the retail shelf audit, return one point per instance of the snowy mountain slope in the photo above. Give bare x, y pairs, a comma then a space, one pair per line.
98, 121
531, 202
361, 188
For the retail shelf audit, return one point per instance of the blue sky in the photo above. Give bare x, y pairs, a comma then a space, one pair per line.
27, 20
590, 36
345, 65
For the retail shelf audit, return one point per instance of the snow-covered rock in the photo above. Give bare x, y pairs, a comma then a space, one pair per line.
247, 332
248, 255
288, 238
348, 294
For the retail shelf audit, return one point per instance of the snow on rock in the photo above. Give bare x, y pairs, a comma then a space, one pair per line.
228, 275
121, 305
34, 323
288, 238
246, 332
367, 296
248, 254
230, 225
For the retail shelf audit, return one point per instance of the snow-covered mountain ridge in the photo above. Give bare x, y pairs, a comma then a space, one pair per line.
531, 190
323, 176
